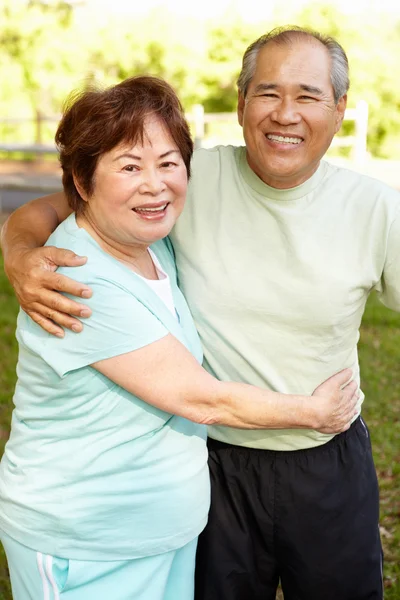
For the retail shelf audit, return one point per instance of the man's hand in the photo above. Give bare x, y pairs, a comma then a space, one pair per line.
338, 405
37, 286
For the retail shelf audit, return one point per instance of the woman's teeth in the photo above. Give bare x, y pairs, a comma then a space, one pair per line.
152, 210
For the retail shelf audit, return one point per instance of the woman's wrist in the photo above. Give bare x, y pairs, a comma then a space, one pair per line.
310, 413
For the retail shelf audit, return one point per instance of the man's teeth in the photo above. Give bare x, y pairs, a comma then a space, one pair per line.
159, 209
281, 138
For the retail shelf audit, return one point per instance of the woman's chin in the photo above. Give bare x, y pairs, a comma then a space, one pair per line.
153, 233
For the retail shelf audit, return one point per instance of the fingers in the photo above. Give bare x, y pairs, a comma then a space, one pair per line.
341, 378
350, 391
40, 288
46, 324
54, 312
350, 397
57, 317
62, 283
64, 258
343, 407
37, 285
53, 321
47, 303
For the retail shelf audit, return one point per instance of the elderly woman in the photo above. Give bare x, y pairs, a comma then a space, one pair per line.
104, 485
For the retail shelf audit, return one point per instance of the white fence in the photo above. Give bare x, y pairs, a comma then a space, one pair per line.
358, 142
200, 120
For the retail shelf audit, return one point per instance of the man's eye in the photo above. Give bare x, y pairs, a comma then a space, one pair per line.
269, 95
307, 98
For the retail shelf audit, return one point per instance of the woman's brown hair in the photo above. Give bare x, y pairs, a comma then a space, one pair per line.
96, 121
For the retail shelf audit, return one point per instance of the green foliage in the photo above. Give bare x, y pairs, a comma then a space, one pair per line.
49, 48
37, 49
221, 67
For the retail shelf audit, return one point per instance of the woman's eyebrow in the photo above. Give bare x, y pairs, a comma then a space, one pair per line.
136, 157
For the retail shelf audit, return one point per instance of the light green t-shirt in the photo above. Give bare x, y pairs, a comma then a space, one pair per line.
277, 280
92, 472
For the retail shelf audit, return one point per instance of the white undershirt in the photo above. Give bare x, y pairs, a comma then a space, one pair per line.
162, 285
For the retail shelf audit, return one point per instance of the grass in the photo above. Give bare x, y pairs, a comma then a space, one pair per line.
8, 353
379, 350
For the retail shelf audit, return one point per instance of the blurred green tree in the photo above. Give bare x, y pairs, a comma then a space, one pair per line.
38, 52
48, 48
221, 67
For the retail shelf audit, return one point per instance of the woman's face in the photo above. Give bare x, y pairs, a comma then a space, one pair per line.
139, 191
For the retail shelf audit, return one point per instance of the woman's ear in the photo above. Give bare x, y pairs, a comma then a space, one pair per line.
80, 189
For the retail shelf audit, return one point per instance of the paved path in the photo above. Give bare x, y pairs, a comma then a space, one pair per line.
18, 188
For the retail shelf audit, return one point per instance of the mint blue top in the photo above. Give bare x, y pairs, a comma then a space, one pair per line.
91, 472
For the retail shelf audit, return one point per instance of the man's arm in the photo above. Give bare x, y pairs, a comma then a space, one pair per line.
389, 287
31, 268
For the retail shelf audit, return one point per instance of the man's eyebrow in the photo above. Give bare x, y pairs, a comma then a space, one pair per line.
135, 157
263, 87
312, 89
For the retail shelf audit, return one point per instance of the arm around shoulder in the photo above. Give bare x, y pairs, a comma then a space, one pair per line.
46, 212
31, 268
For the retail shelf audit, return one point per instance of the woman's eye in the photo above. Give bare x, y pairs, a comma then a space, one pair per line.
129, 168
167, 165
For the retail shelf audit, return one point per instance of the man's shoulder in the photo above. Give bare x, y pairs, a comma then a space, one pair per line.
361, 185
367, 182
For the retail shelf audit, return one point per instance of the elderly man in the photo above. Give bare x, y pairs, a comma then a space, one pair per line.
277, 252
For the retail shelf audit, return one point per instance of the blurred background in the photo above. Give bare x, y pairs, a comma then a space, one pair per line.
49, 48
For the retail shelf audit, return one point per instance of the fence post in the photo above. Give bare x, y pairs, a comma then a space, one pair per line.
361, 133
38, 126
198, 120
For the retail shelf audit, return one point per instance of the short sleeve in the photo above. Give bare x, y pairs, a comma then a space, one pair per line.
120, 323
388, 288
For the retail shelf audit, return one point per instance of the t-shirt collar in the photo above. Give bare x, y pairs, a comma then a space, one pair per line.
262, 188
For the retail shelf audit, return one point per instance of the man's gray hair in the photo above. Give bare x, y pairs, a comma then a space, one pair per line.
286, 35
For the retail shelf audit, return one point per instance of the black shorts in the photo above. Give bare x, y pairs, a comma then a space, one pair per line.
308, 518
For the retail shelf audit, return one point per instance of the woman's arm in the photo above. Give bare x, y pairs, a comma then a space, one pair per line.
31, 268
166, 375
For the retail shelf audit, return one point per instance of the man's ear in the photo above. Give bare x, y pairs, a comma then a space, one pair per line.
80, 189
340, 110
240, 108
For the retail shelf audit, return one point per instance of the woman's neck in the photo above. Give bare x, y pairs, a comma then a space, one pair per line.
135, 256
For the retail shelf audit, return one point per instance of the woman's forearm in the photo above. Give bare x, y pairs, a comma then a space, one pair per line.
167, 376
244, 406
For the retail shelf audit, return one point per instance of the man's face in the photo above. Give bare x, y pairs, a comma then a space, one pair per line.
289, 115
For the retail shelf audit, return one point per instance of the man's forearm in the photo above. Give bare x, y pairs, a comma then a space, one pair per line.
18, 233
31, 225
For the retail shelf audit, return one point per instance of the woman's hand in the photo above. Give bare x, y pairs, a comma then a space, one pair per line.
337, 404
32, 273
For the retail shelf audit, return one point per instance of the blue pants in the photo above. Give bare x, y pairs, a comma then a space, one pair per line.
37, 576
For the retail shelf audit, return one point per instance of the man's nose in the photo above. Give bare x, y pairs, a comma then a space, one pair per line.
286, 113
